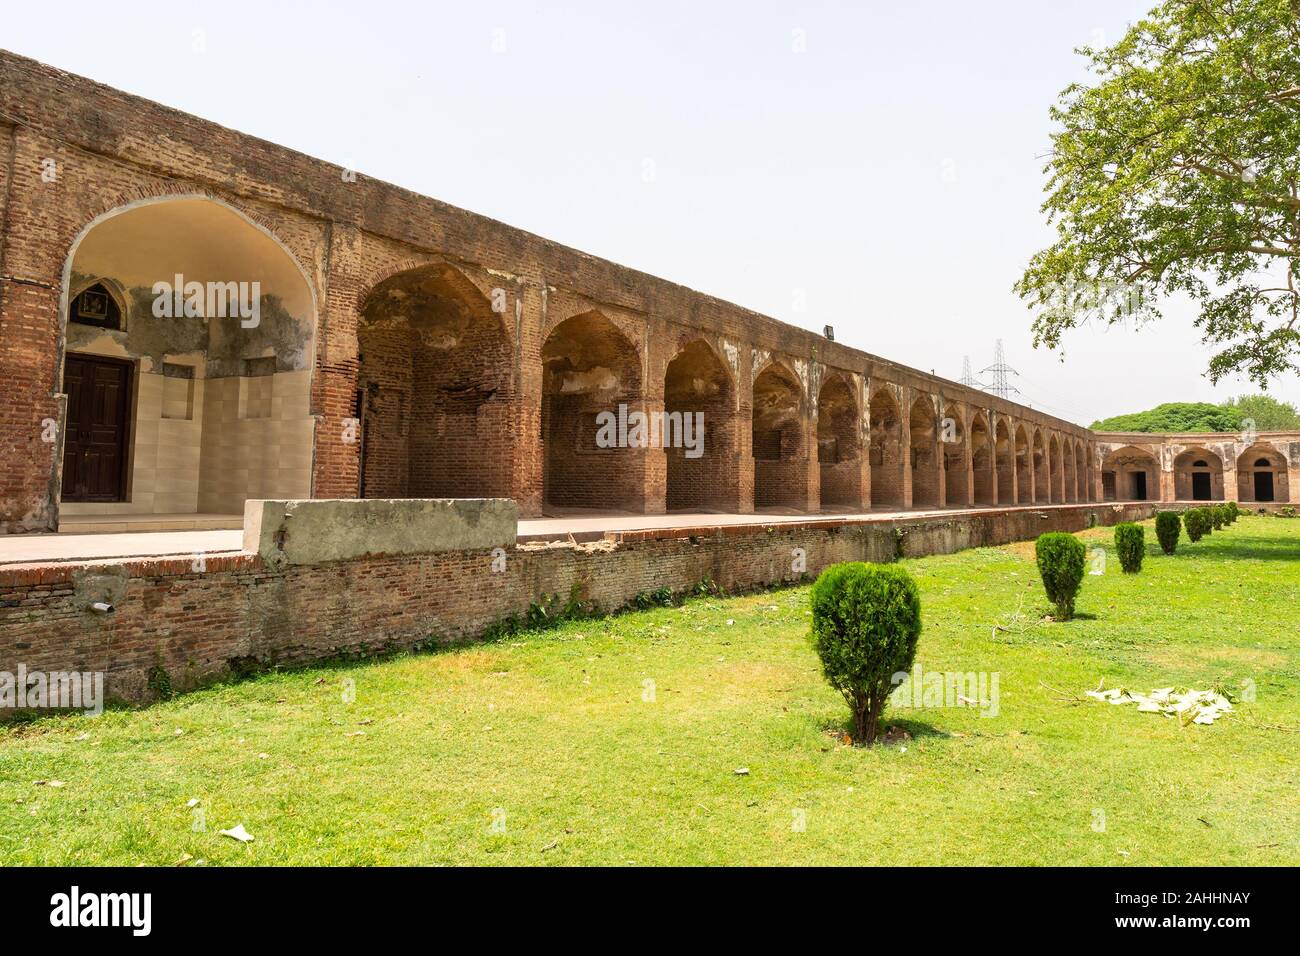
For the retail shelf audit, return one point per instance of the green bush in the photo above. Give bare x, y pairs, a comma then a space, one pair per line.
1061, 559
1196, 523
1131, 545
1233, 511
1168, 528
1217, 516
866, 619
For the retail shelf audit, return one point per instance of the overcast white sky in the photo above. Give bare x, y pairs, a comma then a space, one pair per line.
887, 178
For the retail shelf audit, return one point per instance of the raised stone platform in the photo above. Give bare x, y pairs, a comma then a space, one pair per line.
576, 528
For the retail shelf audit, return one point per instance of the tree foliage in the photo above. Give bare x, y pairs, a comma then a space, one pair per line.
1178, 172
866, 619
1174, 417
1060, 558
1265, 413
1268, 414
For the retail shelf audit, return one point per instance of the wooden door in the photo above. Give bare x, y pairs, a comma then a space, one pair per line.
94, 447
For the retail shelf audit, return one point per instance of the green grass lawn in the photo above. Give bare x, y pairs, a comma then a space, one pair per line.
543, 749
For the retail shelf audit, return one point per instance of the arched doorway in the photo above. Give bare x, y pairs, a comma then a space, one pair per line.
1129, 474
1071, 471
779, 448
1262, 474
1198, 475
1005, 453
981, 455
1057, 466
1024, 468
952, 434
1042, 478
886, 457
1083, 488
189, 341
590, 372
434, 389
924, 459
839, 444
698, 392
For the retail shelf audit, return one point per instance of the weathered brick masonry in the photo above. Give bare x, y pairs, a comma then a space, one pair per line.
238, 611
474, 354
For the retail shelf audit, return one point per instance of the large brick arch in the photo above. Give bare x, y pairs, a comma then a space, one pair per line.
839, 443
1198, 475
1041, 474
1119, 475
779, 437
218, 411
1261, 470
923, 458
1024, 467
955, 449
435, 388
589, 368
699, 388
983, 460
886, 454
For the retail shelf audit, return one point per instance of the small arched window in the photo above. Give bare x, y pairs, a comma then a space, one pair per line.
1202, 463
97, 306
1263, 463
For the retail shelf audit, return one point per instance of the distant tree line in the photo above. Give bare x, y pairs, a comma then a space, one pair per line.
1267, 414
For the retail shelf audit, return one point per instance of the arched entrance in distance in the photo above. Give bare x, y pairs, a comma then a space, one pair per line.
924, 458
981, 451
1198, 475
1024, 471
1071, 491
589, 367
434, 389
839, 444
1042, 479
1130, 474
1057, 466
1262, 474
1082, 488
186, 396
698, 392
779, 448
886, 455
953, 439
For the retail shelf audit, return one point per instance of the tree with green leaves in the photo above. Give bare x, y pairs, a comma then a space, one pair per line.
1174, 417
1266, 412
1178, 172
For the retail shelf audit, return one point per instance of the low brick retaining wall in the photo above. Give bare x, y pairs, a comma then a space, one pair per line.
236, 612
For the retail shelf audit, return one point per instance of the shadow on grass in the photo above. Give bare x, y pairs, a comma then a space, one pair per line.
1227, 550
842, 729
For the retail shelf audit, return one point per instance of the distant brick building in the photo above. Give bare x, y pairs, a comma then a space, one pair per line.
191, 317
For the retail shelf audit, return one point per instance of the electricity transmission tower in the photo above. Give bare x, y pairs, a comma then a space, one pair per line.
1000, 387
966, 377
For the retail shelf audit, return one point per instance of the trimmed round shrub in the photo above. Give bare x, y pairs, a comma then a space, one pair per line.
1196, 524
1234, 512
1168, 528
1061, 559
1131, 545
1217, 516
866, 619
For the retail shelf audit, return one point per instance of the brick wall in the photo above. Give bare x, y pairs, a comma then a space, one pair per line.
238, 610
350, 235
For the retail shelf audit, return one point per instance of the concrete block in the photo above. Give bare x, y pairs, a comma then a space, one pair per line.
314, 531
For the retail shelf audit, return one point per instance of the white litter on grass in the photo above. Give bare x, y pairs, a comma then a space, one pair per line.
1189, 706
238, 833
